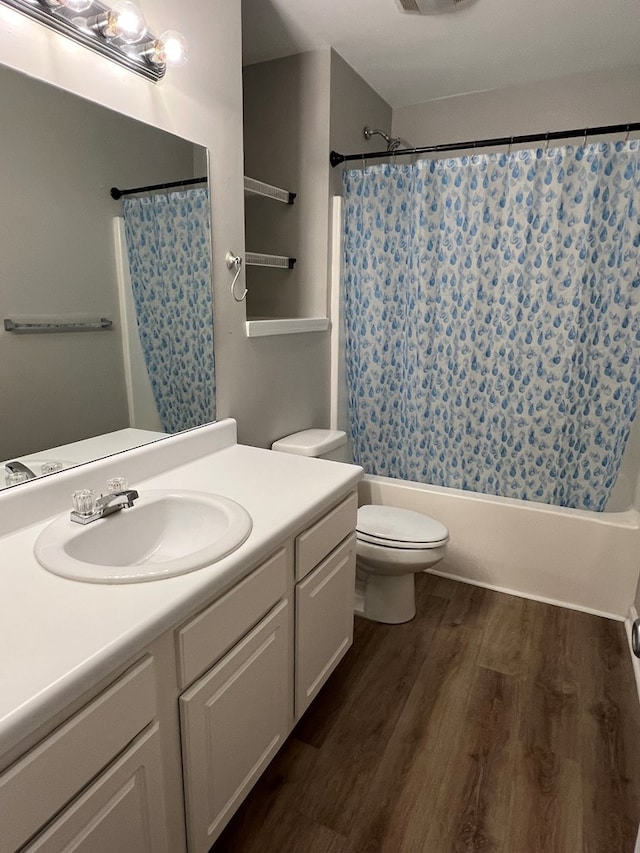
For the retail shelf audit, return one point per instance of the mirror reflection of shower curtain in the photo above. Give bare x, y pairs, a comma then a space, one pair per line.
493, 320
169, 250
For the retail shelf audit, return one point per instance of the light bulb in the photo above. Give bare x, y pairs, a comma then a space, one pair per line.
125, 22
169, 49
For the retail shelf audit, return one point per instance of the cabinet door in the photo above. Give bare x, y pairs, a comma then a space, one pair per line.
49, 776
324, 621
122, 810
234, 720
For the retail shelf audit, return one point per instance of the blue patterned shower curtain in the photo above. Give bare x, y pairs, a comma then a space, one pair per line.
492, 320
169, 248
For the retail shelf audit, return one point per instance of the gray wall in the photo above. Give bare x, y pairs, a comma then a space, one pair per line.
295, 110
598, 98
60, 155
286, 139
354, 106
286, 133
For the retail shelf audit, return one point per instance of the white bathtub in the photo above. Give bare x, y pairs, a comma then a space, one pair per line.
583, 560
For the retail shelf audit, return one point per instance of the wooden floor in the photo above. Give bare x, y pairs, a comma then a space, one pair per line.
489, 723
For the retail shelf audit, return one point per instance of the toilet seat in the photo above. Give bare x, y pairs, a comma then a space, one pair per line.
393, 527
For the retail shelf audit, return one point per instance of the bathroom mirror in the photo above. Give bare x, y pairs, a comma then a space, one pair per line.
72, 396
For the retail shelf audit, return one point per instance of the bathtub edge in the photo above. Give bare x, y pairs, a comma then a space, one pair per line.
573, 558
633, 615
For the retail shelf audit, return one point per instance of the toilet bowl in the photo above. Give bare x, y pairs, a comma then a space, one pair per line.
393, 544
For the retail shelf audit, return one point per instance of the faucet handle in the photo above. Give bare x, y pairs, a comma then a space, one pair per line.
117, 484
12, 478
51, 467
84, 501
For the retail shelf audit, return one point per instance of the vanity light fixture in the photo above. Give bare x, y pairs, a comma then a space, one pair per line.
118, 32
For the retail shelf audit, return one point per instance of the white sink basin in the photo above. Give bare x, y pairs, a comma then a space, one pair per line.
165, 533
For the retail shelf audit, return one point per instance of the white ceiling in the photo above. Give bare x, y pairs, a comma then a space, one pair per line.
491, 44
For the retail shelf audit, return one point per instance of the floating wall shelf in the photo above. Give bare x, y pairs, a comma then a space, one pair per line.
261, 327
256, 259
286, 326
254, 187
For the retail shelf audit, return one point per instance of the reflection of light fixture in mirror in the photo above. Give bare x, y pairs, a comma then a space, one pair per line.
74, 5
110, 31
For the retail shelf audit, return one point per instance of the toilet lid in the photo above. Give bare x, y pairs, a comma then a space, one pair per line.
399, 528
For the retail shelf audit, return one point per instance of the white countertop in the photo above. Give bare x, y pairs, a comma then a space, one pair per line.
59, 637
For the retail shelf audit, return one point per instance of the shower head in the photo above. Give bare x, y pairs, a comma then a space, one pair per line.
393, 142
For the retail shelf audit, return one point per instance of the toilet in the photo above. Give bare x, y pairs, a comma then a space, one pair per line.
393, 544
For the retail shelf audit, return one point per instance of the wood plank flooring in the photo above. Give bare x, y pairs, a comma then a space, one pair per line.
489, 723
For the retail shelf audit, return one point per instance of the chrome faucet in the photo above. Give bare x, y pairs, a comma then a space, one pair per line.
88, 508
16, 467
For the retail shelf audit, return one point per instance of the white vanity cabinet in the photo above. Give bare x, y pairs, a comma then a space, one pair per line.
201, 710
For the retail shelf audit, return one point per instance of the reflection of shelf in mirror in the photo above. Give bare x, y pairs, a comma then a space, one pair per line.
257, 259
254, 187
285, 326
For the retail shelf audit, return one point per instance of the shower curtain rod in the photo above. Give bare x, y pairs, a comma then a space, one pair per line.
335, 158
116, 193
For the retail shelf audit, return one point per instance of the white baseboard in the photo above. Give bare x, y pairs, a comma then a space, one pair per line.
592, 611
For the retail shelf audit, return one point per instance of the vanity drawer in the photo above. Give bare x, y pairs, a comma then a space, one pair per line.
314, 544
51, 774
206, 638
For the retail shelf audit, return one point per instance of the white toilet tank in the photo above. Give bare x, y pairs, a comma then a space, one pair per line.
319, 443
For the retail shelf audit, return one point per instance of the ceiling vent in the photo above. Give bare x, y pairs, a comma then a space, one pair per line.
433, 7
